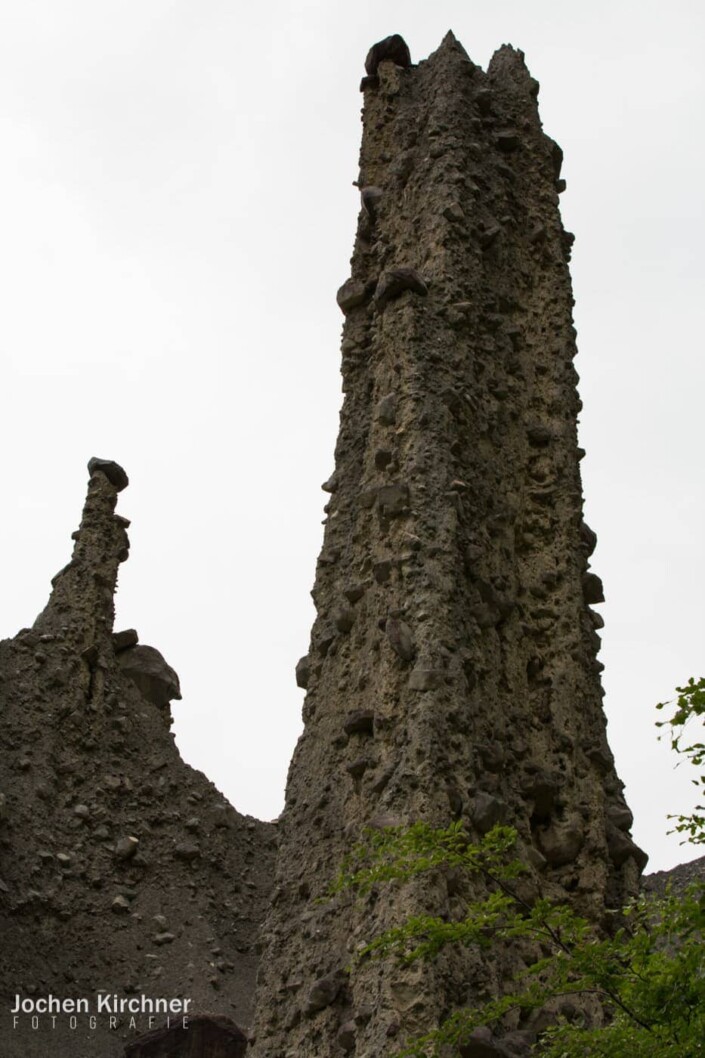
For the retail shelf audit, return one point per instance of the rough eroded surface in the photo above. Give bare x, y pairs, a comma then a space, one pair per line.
121, 868
452, 672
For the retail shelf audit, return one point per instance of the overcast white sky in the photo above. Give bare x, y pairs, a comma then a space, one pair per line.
177, 213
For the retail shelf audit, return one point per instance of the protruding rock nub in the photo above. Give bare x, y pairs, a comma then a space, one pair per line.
395, 281
393, 49
371, 198
112, 470
147, 668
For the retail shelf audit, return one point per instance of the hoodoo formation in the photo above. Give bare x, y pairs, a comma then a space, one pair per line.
122, 870
452, 671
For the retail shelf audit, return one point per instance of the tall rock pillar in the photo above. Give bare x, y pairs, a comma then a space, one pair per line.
452, 672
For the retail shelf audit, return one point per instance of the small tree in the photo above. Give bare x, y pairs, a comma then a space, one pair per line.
649, 977
690, 707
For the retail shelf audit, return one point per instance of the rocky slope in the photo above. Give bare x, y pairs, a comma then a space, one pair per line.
121, 868
677, 879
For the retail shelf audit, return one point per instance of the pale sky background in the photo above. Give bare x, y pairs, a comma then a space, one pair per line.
177, 213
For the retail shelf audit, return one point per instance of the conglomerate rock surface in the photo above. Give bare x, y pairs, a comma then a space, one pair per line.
452, 671
122, 869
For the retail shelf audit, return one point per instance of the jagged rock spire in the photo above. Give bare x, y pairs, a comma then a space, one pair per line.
452, 671
81, 602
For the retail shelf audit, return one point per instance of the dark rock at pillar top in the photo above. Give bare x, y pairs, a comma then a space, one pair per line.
112, 470
391, 49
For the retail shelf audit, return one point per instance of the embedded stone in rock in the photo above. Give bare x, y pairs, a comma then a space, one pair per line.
400, 639
601, 756
344, 618
480, 1044
621, 848
357, 768
371, 198
123, 640
351, 295
539, 435
561, 842
588, 537
346, 1036
126, 848
621, 816
454, 213
205, 1034
487, 234
483, 98
149, 671
393, 499
395, 281
382, 571
556, 158
592, 589
426, 679
517, 1044
507, 141
393, 49
492, 755
542, 788
386, 410
535, 858
324, 992
487, 811
354, 593
187, 850
361, 722
303, 672
112, 470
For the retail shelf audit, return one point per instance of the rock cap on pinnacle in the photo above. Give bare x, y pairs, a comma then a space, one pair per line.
393, 49
112, 470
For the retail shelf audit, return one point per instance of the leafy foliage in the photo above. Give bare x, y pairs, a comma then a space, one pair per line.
690, 706
649, 977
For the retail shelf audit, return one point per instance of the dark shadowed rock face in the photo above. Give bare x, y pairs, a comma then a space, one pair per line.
203, 1037
452, 670
121, 868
